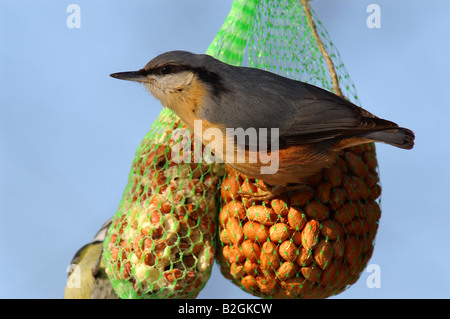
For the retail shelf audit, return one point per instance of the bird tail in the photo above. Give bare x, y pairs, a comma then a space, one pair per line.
399, 137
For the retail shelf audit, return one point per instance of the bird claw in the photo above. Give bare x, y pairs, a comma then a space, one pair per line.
268, 192
255, 197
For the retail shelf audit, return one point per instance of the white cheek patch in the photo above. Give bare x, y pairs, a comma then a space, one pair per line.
172, 82
162, 86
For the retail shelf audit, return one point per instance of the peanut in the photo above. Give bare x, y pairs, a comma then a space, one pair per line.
230, 187
346, 213
280, 205
301, 197
256, 231
337, 198
352, 250
323, 253
323, 192
310, 234
288, 251
252, 268
269, 257
305, 257
331, 230
233, 254
279, 232
249, 282
232, 209
333, 175
234, 231
262, 215
286, 270
251, 250
356, 165
296, 218
370, 159
357, 227
311, 273
317, 211
266, 285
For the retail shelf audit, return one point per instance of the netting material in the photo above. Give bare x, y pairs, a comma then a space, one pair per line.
161, 243
306, 244
281, 41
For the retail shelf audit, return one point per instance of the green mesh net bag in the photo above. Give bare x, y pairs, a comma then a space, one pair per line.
162, 240
310, 243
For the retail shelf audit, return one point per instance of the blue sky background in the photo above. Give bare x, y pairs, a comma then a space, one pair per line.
68, 132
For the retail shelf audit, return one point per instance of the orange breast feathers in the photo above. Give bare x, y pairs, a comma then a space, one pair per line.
288, 165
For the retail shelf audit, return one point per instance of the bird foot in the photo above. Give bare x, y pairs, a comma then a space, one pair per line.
268, 191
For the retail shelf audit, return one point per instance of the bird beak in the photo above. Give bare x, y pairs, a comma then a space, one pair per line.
129, 76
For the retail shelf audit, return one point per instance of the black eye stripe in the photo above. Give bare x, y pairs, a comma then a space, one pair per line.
212, 78
168, 69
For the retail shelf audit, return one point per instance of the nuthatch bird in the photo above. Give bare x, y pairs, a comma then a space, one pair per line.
87, 278
313, 125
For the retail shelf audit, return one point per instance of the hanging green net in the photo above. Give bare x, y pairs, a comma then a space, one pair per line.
303, 244
161, 243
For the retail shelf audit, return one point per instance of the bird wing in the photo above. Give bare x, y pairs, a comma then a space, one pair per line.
321, 115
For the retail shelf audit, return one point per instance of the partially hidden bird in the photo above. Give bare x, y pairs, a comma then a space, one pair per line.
87, 278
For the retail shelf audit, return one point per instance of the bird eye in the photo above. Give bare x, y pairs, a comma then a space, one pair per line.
166, 69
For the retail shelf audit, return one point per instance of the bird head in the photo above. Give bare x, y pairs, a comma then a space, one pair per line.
179, 79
